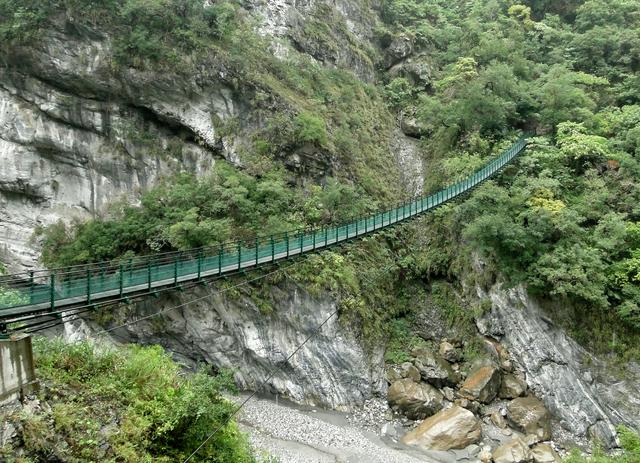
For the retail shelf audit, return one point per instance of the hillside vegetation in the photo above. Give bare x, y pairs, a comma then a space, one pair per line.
134, 404
564, 220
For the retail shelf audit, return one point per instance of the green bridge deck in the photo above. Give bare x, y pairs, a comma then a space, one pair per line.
44, 292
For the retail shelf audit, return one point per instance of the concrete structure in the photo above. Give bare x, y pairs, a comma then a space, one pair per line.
17, 373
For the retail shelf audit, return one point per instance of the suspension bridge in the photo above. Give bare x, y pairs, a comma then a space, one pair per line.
31, 299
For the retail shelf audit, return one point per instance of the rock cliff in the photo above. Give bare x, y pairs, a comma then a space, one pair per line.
581, 391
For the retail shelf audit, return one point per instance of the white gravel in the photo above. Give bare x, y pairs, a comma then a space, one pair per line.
297, 436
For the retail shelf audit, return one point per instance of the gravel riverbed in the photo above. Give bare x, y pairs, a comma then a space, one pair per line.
296, 435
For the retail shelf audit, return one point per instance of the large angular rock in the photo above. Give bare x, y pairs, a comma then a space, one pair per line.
448, 352
514, 451
544, 453
454, 428
512, 387
482, 385
530, 416
411, 125
399, 48
415, 400
434, 370
407, 370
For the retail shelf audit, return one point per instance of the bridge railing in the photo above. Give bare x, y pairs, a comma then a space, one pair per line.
85, 283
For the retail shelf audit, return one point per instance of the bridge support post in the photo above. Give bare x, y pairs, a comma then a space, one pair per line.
17, 372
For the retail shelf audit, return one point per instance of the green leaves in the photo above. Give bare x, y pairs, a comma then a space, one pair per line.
310, 128
150, 410
231, 205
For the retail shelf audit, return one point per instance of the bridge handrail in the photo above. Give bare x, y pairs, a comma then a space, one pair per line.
47, 287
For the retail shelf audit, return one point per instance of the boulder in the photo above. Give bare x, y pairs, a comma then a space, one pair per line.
544, 453
407, 370
498, 420
415, 400
485, 454
454, 428
482, 385
393, 375
530, 416
399, 48
411, 126
512, 387
449, 352
514, 451
434, 370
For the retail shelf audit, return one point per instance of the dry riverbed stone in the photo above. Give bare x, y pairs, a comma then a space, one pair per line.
482, 385
544, 453
454, 428
514, 451
530, 416
415, 400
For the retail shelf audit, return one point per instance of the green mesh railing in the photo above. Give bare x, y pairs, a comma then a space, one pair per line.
50, 290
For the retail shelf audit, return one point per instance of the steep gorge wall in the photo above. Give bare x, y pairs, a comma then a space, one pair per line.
332, 369
74, 137
585, 394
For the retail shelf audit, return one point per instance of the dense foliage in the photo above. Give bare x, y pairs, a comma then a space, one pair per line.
565, 219
185, 213
127, 405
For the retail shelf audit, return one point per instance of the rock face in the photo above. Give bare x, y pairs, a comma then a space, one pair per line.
331, 370
415, 400
588, 400
482, 385
76, 135
454, 428
347, 20
68, 147
407, 153
514, 451
530, 416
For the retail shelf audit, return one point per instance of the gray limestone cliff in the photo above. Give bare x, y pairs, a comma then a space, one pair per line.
331, 369
581, 391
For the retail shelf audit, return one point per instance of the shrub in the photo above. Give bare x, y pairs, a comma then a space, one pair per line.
162, 414
310, 129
